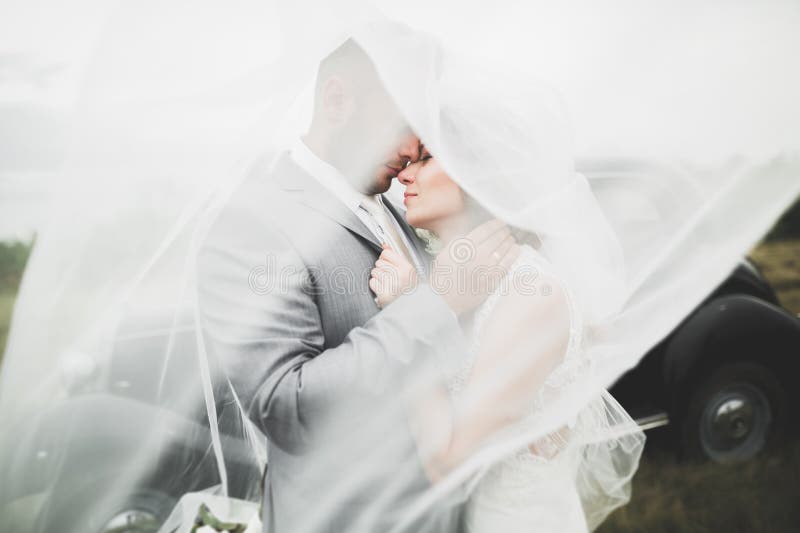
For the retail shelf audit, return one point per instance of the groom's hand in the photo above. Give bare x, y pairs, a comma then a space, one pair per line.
470, 267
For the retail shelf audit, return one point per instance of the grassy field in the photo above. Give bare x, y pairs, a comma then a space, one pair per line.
760, 496
13, 256
6, 306
779, 261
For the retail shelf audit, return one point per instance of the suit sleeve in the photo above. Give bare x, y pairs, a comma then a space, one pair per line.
261, 320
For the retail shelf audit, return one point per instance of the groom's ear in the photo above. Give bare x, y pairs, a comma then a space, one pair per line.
336, 101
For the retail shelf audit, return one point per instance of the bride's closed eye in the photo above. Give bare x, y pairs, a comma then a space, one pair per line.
426, 155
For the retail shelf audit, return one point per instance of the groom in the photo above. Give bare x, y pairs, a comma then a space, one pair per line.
319, 368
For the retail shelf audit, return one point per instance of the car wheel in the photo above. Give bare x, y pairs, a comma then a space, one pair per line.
140, 511
143, 512
734, 414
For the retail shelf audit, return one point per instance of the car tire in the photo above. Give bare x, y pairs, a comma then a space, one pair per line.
733, 414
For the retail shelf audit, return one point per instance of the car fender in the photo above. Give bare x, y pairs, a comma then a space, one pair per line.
93, 434
730, 328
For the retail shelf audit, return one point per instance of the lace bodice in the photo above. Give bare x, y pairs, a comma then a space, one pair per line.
532, 265
529, 265
582, 467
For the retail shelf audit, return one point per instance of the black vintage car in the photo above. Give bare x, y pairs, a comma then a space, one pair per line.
723, 379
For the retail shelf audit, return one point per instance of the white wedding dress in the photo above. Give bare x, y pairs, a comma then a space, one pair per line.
579, 473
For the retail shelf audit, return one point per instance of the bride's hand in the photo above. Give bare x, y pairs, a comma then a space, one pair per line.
392, 276
481, 258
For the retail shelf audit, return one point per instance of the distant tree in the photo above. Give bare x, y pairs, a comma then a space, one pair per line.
13, 257
788, 226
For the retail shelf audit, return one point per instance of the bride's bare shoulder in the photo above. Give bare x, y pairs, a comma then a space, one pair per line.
532, 294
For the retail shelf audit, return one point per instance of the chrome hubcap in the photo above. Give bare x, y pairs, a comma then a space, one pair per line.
735, 423
733, 418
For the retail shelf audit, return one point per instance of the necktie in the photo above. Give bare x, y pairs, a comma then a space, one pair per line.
386, 228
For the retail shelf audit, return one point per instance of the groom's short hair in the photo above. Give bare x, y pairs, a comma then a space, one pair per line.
350, 63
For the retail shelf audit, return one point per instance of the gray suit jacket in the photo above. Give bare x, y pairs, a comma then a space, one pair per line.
287, 311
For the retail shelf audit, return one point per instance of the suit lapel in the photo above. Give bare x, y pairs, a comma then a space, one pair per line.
419, 247
312, 194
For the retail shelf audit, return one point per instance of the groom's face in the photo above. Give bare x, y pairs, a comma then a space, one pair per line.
373, 142
377, 139
368, 139
406, 151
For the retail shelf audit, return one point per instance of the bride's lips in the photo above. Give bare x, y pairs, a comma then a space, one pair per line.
408, 196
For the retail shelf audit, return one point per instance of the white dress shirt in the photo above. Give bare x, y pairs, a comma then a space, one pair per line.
369, 209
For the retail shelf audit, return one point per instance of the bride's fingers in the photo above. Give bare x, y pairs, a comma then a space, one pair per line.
509, 257
397, 259
390, 256
376, 285
510, 252
386, 278
379, 273
485, 230
385, 246
493, 241
503, 248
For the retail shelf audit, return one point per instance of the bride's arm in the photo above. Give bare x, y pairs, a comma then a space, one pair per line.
522, 342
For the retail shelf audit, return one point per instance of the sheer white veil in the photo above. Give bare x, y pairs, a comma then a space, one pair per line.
649, 150
506, 139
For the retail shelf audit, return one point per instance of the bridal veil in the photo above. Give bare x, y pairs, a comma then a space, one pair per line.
648, 148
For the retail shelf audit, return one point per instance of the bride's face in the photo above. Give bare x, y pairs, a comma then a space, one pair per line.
431, 197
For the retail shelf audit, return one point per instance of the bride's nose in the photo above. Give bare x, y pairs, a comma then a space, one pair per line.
407, 175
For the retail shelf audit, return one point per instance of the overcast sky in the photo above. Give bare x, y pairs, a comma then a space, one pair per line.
706, 79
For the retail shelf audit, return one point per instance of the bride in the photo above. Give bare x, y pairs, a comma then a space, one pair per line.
508, 379
549, 447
